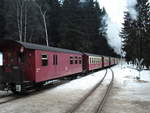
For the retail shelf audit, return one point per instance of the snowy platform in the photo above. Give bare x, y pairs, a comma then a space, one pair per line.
129, 95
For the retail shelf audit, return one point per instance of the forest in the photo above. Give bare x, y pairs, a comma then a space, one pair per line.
69, 24
136, 34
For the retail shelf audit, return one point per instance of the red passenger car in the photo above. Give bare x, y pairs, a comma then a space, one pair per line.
92, 61
31, 63
106, 61
112, 61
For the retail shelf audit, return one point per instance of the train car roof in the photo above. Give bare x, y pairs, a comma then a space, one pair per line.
38, 47
89, 54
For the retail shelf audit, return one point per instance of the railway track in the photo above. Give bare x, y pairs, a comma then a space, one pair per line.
9, 97
101, 103
5, 95
99, 109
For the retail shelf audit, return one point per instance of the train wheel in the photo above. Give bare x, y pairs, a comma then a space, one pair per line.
15, 92
38, 86
22, 91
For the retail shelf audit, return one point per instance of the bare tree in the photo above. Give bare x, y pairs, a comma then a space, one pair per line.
43, 14
25, 22
20, 5
22, 8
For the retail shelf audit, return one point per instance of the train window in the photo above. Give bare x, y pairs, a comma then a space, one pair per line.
55, 60
76, 61
80, 62
21, 58
71, 61
79, 58
93, 60
90, 60
45, 60
1, 59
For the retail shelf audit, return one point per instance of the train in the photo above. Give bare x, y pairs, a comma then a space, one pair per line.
27, 65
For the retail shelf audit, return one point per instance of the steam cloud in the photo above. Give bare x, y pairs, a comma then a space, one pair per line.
130, 6
115, 10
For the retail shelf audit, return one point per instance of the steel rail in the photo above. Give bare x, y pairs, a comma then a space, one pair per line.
4, 96
77, 105
9, 99
101, 105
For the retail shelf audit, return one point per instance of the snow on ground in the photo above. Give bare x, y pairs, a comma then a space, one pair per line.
126, 79
129, 95
84, 83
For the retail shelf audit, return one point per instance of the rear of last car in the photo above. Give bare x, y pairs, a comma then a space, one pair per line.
11, 75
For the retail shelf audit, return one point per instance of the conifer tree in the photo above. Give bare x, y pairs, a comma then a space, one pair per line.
128, 34
54, 19
143, 7
136, 33
70, 25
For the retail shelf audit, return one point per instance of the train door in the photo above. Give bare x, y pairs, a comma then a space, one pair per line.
55, 64
85, 63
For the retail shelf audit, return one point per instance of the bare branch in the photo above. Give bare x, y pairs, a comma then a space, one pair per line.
18, 19
25, 24
43, 14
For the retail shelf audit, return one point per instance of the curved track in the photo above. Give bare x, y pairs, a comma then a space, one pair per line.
99, 109
101, 103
